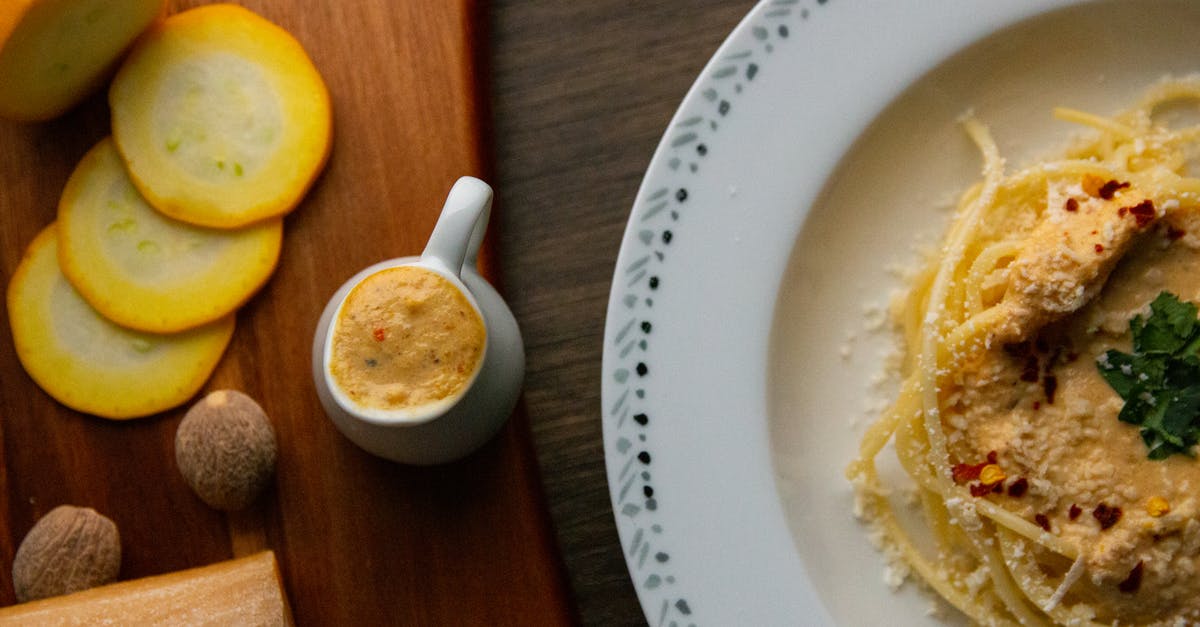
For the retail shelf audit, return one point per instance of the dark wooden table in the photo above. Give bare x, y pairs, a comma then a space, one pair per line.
360, 541
582, 90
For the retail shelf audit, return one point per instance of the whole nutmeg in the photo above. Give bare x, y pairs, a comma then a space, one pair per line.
68, 550
225, 448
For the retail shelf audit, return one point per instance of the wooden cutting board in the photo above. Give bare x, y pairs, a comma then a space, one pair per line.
362, 541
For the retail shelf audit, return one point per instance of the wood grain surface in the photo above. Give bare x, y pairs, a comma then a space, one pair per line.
582, 92
361, 541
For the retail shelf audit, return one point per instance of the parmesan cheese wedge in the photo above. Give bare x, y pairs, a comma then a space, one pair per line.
92, 365
149, 272
54, 53
221, 117
245, 591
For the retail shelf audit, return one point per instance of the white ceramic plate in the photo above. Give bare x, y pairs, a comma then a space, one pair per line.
815, 150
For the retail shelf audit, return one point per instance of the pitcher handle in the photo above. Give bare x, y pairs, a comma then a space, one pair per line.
459, 230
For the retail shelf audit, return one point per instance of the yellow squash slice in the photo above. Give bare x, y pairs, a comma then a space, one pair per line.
54, 53
221, 117
149, 272
92, 365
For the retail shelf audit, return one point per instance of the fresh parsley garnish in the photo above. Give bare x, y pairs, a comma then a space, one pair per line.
1160, 381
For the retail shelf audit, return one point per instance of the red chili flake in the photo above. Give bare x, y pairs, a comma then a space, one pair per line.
1074, 512
1049, 385
1122, 211
1099, 248
1018, 487
998, 488
1174, 233
962, 473
1042, 521
1029, 372
1133, 581
1107, 515
979, 489
1072, 205
1143, 212
1110, 188
379, 334
1037, 405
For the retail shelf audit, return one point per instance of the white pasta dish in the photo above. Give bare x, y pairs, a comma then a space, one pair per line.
1049, 410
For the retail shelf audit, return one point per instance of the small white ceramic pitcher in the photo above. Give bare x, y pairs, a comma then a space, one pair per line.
446, 430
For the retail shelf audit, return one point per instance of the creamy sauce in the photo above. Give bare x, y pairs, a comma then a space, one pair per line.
1065, 440
405, 337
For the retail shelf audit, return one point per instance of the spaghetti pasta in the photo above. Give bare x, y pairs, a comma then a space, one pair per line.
1033, 490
